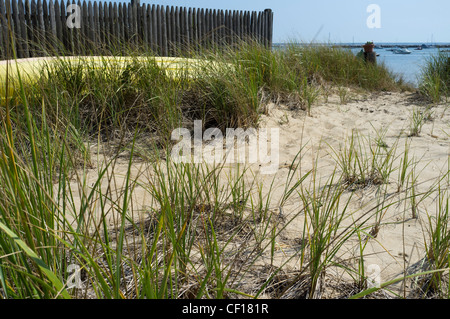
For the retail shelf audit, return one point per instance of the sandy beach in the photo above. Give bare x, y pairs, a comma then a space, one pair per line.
398, 247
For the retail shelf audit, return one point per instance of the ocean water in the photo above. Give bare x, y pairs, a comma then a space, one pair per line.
409, 66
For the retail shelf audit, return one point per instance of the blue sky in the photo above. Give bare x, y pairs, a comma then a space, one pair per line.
344, 20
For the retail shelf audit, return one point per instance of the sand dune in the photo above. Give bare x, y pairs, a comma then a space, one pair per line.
399, 244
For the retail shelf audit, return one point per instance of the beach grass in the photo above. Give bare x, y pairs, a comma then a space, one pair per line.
435, 77
205, 231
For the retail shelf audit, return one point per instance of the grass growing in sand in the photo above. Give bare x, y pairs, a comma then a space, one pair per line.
435, 77
96, 140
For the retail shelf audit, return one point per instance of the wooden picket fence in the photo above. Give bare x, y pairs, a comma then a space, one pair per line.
46, 27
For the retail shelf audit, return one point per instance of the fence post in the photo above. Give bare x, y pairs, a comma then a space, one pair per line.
57, 14
3, 46
194, 30
40, 38
64, 36
85, 28
103, 16
109, 15
185, 27
16, 28
144, 29
135, 22
123, 23
53, 41
171, 33
102, 25
131, 25
23, 30
190, 31
95, 27
67, 33
155, 45
60, 26
213, 23
268, 28
164, 31
150, 28
29, 29
76, 33
135, 5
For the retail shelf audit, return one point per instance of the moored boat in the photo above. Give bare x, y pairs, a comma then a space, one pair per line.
401, 51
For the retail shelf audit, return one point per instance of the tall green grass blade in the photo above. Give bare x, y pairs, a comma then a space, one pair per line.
45, 269
394, 281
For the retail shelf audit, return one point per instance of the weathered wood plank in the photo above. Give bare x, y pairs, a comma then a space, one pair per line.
159, 29
144, 28
16, 29
3, 31
101, 25
75, 31
259, 27
177, 21
46, 21
164, 31
112, 39
221, 28
238, 26
202, 26
115, 29
190, 31
132, 23
29, 27
104, 12
270, 29
263, 28
95, 27
8, 19
213, 28
126, 27
155, 45
91, 25
168, 26
135, 21
170, 12
131, 31
23, 30
254, 25
52, 36
183, 29
248, 25
85, 28
232, 28
65, 34
105, 30
207, 28
58, 28
194, 30
150, 28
